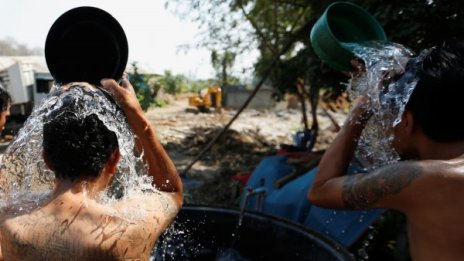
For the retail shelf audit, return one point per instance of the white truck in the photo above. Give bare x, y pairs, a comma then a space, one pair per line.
28, 81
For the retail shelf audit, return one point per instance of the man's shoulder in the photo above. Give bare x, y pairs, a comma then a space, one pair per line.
418, 168
160, 205
14, 217
436, 168
425, 176
18, 227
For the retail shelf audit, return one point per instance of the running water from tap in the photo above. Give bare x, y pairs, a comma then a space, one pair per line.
384, 62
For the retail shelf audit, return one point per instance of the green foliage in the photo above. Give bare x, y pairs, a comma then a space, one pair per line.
418, 24
146, 88
141, 87
222, 64
174, 84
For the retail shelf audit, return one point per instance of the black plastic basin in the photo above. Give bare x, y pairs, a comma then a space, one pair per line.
206, 233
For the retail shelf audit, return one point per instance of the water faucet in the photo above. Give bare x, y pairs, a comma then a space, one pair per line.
249, 191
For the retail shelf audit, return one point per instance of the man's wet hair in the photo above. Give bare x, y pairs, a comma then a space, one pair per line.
76, 147
5, 99
437, 100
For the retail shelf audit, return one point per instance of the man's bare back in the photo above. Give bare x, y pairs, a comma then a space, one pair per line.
435, 211
428, 192
127, 230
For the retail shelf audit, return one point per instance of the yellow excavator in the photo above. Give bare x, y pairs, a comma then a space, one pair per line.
207, 99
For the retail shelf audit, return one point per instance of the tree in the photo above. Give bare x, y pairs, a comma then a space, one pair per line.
222, 63
237, 26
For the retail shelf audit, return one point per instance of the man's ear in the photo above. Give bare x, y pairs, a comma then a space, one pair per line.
113, 160
409, 122
45, 157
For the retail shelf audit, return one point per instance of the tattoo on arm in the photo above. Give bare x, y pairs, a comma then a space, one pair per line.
364, 191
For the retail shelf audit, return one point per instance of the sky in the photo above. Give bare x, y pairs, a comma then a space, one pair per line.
153, 33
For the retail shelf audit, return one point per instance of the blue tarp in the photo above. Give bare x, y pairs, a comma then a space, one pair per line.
290, 202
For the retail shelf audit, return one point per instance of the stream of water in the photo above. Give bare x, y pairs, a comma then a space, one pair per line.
384, 62
29, 179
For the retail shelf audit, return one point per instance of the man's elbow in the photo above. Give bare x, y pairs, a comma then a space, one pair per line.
320, 194
179, 195
313, 196
181, 200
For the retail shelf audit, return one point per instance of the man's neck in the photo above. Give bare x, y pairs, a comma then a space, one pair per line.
78, 188
429, 149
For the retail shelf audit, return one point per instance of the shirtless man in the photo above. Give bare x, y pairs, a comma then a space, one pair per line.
427, 187
5, 102
84, 155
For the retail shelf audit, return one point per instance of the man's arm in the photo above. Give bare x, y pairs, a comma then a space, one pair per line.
386, 187
1, 254
160, 166
3, 190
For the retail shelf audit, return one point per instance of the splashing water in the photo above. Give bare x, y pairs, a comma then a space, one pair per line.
362, 252
178, 242
384, 63
29, 179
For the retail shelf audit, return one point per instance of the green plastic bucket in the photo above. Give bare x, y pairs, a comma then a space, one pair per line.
343, 22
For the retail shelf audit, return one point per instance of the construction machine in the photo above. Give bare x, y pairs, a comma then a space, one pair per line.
207, 99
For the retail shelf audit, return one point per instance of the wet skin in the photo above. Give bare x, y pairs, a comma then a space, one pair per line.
428, 190
4, 116
71, 225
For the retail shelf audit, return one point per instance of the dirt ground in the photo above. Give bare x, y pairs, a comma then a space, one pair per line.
253, 136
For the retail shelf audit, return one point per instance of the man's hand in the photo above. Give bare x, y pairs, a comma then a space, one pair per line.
359, 66
160, 166
123, 94
361, 111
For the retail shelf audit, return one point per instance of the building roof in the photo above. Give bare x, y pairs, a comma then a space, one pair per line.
38, 62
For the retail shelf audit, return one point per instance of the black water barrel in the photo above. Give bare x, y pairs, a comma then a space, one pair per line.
206, 233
